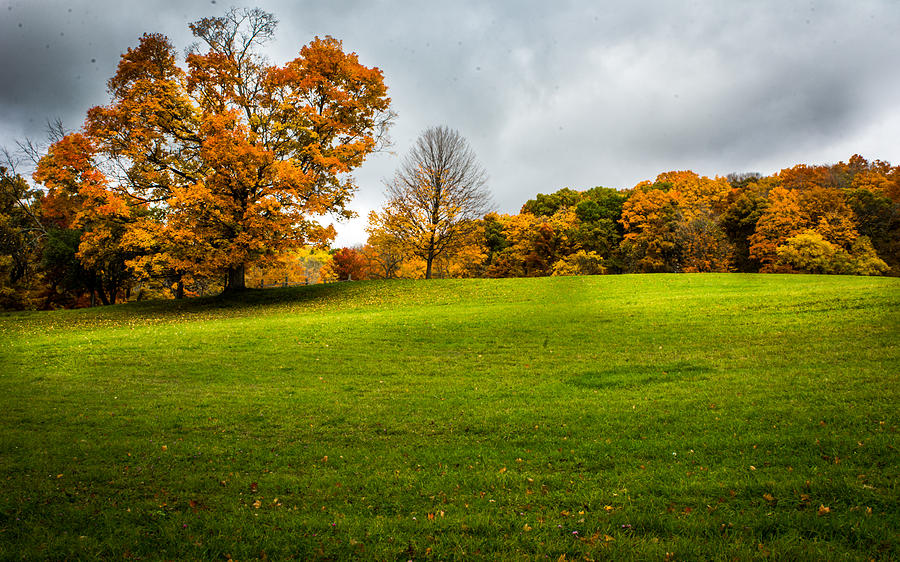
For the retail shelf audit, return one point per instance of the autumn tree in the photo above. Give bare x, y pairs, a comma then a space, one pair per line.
228, 161
533, 245
349, 264
810, 252
435, 197
384, 252
745, 205
595, 227
791, 212
78, 200
21, 234
650, 219
782, 219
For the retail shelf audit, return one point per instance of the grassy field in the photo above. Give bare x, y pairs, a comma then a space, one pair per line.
644, 417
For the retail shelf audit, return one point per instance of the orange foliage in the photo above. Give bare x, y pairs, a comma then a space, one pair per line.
649, 218
233, 156
349, 264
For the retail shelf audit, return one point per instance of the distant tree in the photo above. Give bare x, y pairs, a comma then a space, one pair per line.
78, 200
534, 244
544, 205
20, 226
739, 223
810, 252
349, 264
435, 197
740, 180
878, 218
609, 203
650, 218
782, 219
384, 252
22, 234
580, 263
494, 237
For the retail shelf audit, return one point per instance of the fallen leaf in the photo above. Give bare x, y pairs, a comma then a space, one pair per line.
824, 510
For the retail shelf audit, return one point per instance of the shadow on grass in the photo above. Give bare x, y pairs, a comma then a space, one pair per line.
630, 376
247, 298
248, 301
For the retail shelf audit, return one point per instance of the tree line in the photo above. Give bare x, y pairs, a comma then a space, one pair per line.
842, 218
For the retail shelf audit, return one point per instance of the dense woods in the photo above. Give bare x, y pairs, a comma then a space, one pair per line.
838, 219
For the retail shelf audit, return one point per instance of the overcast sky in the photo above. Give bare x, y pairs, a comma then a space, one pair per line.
573, 93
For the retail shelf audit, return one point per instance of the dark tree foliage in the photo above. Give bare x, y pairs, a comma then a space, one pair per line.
739, 222
878, 217
545, 205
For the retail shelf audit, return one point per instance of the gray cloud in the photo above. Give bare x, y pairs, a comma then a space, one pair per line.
571, 93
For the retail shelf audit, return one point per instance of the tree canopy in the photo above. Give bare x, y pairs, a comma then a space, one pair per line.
227, 161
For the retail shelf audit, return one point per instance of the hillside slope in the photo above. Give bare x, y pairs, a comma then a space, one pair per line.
703, 415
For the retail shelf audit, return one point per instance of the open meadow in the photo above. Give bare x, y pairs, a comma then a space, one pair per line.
709, 416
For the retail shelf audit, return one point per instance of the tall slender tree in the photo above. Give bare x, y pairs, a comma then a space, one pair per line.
435, 196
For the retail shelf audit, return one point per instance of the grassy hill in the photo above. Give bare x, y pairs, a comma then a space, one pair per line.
694, 416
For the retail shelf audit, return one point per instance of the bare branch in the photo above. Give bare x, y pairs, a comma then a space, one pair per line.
437, 194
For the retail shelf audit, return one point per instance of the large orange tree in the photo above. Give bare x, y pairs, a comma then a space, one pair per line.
228, 160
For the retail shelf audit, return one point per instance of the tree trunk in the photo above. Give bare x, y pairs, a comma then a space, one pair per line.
113, 291
235, 278
428, 267
101, 292
179, 289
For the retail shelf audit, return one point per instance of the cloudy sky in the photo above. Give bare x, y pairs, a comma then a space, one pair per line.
570, 93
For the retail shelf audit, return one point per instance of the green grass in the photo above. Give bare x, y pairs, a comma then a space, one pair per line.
706, 416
